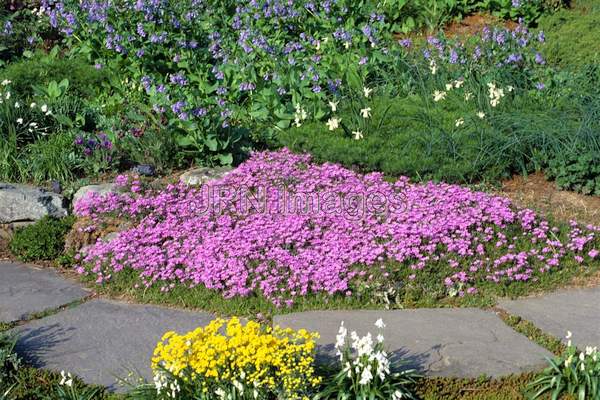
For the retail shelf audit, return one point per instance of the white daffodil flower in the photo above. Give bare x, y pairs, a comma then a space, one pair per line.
438, 95
333, 123
357, 135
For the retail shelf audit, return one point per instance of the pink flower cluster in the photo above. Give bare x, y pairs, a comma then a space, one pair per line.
377, 228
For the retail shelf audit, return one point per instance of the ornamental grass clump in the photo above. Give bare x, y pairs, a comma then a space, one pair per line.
284, 228
229, 360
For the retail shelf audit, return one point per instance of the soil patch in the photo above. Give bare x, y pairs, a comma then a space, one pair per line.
534, 191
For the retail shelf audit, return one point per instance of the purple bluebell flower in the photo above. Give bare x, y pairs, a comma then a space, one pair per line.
539, 59
247, 86
179, 79
406, 43
541, 37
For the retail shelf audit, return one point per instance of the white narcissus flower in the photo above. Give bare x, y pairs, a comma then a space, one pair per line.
333, 123
17, 104
380, 324
459, 122
468, 96
66, 379
458, 83
32, 105
397, 395
449, 86
367, 92
438, 95
346, 45
6, 82
20, 121
366, 376
365, 112
357, 135
380, 338
432, 67
44, 108
340, 339
333, 105
481, 114
7, 95
569, 335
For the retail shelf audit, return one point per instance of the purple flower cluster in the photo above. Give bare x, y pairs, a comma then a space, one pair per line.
92, 144
283, 253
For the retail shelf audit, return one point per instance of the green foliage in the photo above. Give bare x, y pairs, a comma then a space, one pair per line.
43, 240
573, 34
574, 373
20, 30
51, 158
9, 361
579, 172
41, 70
37, 384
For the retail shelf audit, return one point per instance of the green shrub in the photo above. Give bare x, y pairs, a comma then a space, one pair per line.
43, 240
577, 172
84, 80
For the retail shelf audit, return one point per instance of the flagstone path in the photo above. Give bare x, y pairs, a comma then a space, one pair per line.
101, 340
575, 310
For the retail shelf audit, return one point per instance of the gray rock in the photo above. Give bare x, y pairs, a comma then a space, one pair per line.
463, 342
101, 341
198, 176
25, 290
101, 189
28, 203
145, 170
575, 310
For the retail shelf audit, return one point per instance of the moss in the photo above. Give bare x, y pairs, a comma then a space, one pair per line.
508, 388
532, 332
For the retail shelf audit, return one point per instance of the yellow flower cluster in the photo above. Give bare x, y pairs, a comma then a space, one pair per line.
251, 356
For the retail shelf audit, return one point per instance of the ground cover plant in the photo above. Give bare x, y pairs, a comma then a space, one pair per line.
44, 240
442, 239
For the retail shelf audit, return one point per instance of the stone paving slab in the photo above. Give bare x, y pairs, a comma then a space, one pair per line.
575, 310
102, 340
25, 290
463, 342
